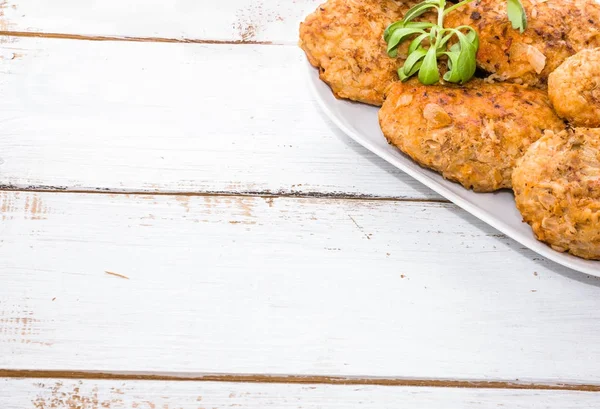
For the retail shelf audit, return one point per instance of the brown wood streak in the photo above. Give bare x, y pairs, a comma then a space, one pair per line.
127, 38
117, 275
295, 379
245, 193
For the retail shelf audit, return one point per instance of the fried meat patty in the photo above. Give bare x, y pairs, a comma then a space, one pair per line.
344, 39
471, 134
556, 30
574, 89
557, 189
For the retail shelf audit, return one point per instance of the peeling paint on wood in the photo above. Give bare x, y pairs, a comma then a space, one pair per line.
234, 20
207, 261
89, 394
4, 24
18, 325
301, 291
254, 18
71, 397
33, 207
95, 133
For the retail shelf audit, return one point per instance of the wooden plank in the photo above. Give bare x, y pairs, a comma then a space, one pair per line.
213, 284
232, 20
87, 394
177, 118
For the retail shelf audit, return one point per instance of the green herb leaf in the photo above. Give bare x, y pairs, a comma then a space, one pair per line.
413, 59
418, 9
452, 75
431, 41
473, 38
457, 5
466, 63
516, 15
404, 77
441, 45
414, 69
455, 48
391, 28
428, 73
419, 24
401, 24
398, 36
416, 43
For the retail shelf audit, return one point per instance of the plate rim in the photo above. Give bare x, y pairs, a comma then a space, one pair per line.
535, 246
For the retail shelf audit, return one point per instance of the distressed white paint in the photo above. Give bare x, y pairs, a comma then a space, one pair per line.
284, 286
243, 285
55, 393
231, 20
175, 117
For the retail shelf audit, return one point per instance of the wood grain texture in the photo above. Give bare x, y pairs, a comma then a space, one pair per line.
232, 20
175, 118
91, 394
221, 283
284, 286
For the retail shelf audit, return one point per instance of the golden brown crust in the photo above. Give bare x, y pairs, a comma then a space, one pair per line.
574, 89
584, 24
472, 134
344, 39
556, 30
557, 189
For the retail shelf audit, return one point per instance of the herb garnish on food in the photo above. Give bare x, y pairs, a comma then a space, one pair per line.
432, 42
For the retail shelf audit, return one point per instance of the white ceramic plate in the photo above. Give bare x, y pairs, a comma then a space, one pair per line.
498, 209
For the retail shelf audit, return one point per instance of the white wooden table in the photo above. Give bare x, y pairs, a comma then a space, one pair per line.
181, 227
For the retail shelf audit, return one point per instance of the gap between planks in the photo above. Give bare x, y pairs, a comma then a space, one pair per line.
136, 39
249, 193
293, 379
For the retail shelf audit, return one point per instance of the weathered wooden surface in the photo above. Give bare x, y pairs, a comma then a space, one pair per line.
91, 394
175, 117
284, 286
221, 283
273, 21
